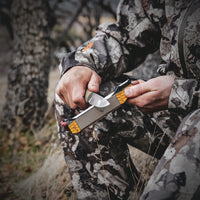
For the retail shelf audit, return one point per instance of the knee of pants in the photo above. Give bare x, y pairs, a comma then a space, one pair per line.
190, 126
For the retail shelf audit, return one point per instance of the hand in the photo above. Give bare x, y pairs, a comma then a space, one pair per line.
152, 95
71, 87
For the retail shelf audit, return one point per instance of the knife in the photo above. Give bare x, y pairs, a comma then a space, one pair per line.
94, 114
95, 99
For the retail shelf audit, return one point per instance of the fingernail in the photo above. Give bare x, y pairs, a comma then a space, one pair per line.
127, 92
94, 85
134, 82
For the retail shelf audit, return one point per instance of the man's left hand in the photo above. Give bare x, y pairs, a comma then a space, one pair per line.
152, 95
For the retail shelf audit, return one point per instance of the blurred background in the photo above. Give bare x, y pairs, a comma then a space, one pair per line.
34, 36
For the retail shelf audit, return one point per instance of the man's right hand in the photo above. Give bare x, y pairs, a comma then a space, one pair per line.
72, 85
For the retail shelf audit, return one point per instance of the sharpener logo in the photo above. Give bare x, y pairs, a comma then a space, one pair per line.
121, 97
74, 128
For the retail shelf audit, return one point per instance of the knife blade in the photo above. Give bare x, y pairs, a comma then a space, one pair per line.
95, 99
94, 114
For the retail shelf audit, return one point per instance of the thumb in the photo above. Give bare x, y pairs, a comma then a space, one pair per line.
94, 82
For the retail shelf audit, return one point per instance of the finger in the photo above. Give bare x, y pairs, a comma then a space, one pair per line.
137, 82
137, 90
78, 97
60, 92
67, 98
66, 94
94, 82
148, 102
142, 100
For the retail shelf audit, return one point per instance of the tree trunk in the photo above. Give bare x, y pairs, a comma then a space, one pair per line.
28, 75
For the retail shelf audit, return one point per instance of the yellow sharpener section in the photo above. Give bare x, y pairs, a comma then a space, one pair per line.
74, 128
121, 95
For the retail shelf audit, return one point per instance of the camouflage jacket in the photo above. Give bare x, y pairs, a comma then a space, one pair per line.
173, 26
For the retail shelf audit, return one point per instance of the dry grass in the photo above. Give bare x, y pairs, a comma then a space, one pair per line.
33, 168
49, 182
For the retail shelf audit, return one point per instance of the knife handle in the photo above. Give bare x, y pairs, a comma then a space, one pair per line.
88, 94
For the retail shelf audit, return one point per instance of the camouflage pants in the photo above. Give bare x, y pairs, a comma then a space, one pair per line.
99, 162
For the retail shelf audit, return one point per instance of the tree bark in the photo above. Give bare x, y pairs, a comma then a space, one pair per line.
28, 75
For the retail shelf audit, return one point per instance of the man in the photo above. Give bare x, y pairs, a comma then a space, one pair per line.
157, 110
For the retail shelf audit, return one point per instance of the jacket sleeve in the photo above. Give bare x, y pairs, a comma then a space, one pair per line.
184, 96
119, 47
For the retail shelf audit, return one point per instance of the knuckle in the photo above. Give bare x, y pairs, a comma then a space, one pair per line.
76, 99
99, 78
140, 80
59, 90
137, 91
141, 88
73, 106
143, 103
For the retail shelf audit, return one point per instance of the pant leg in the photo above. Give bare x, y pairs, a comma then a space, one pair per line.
177, 175
98, 162
98, 158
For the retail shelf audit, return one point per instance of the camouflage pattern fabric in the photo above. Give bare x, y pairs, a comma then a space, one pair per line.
177, 176
98, 158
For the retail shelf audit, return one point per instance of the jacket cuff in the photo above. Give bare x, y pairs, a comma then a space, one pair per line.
67, 62
182, 98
